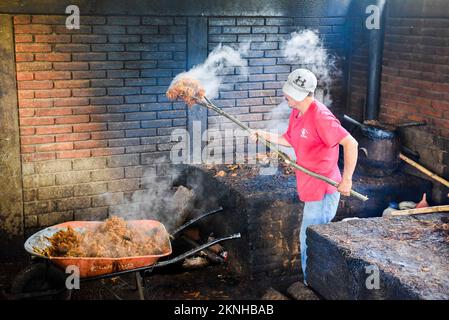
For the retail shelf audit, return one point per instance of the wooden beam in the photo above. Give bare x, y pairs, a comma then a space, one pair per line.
421, 211
11, 201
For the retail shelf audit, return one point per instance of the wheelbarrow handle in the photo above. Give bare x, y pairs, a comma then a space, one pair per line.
195, 250
192, 221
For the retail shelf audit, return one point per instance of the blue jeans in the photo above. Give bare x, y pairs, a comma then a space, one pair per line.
316, 212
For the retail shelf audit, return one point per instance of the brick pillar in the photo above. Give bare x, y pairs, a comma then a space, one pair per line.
196, 54
11, 203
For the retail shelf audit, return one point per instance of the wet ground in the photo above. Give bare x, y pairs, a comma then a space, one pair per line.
209, 283
7, 272
213, 282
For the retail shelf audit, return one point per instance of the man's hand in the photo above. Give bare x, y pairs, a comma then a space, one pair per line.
345, 187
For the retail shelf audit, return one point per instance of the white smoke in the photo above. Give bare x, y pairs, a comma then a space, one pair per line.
279, 124
305, 48
208, 73
163, 196
157, 199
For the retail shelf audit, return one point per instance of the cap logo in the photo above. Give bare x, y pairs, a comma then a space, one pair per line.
300, 81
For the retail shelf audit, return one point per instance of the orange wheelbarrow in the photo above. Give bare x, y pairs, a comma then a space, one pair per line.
46, 277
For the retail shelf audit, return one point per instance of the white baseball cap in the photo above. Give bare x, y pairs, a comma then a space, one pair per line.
299, 84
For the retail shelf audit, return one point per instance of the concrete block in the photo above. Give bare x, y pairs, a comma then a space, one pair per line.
408, 256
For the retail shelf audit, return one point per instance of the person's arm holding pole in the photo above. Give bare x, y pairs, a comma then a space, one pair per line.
350, 151
271, 137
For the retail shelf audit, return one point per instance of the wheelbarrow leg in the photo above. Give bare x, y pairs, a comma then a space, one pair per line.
139, 285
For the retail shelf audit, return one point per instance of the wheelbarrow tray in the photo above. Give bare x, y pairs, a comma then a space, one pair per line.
96, 266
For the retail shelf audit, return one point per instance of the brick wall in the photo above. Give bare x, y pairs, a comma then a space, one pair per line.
415, 87
415, 84
92, 106
358, 69
93, 111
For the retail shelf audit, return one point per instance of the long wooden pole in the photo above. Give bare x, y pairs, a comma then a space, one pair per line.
208, 104
421, 210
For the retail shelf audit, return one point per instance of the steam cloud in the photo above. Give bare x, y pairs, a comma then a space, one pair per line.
306, 49
208, 73
154, 201
162, 197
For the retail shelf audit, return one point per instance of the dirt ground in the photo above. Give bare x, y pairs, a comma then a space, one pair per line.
213, 282
209, 283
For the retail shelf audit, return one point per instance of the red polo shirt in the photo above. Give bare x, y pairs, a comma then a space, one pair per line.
315, 137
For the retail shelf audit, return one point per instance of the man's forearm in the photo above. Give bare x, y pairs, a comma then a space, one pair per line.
350, 149
273, 138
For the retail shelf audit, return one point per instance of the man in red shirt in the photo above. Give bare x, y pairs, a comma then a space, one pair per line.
315, 135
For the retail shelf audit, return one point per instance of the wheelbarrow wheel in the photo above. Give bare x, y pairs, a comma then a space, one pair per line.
40, 281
